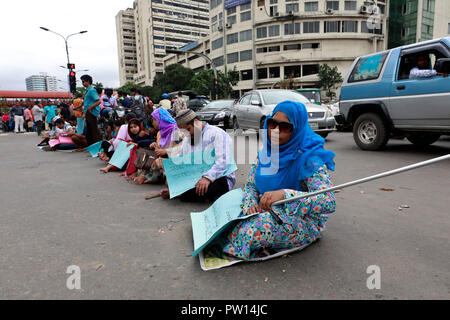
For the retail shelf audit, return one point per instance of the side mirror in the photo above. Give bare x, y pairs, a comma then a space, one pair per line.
255, 103
443, 65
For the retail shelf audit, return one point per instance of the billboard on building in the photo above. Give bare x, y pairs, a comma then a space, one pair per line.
234, 3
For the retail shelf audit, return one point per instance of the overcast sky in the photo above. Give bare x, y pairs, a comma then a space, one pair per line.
26, 50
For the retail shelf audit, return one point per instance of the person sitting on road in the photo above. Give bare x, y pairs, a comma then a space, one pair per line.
78, 139
292, 162
423, 68
200, 137
108, 146
61, 127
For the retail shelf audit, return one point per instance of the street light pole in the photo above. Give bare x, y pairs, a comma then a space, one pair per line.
65, 41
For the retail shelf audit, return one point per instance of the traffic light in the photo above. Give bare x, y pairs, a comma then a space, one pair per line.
73, 81
70, 66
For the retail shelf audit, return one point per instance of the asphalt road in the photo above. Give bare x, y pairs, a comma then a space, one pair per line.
57, 210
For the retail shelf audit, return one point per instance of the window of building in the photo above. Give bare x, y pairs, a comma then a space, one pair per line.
232, 38
218, 62
292, 72
246, 6
273, 9
311, 6
246, 55
245, 35
349, 26
334, 5
261, 50
215, 3
274, 31
314, 45
274, 49
262, 73
296, 46
274, 72
231, 19
428, 5
245, 16
349, 5
291, 28
231, 11
332, 26
369, 28
311, 27
247, 74
309, 69
261, 32
292, 7
216, 44
233, 57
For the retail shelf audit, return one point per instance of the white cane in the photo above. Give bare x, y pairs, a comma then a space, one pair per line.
352, 183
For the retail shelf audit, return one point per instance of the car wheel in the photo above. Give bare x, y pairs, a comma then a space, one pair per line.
423, 139
324, 135
236, 128
370, 132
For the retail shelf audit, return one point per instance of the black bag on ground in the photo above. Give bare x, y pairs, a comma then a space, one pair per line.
144, 159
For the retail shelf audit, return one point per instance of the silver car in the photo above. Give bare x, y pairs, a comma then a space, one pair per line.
252, 109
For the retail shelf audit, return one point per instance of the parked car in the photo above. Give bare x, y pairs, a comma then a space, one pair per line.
198, 103
217, 113
252, 109
379, 100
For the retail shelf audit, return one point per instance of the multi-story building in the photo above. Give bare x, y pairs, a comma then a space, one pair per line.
269, 41
126, 45
161, 24
414, 21
41, 82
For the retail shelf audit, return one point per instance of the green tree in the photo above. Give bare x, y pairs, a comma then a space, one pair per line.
175, 78
203, 82
98, 85
329, 78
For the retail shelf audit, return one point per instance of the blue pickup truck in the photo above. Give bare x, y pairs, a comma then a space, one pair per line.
399, 93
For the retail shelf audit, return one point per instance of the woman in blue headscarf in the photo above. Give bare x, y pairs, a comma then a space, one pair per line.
292, 162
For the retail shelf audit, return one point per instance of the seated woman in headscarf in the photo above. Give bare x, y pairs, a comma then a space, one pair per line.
292, 162
136, 132
165, 146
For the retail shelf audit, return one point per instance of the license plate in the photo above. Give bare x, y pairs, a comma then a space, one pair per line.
314, 125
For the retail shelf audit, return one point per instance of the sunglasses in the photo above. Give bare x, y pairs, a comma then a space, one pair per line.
285, 127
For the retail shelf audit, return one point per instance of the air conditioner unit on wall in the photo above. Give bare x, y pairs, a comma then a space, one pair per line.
276, 14
228, 25
220, 28
364, 9
329, 11
290, 13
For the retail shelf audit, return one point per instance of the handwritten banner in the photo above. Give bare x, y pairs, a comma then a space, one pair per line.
121, 155
94, 149
208, 224
185, 171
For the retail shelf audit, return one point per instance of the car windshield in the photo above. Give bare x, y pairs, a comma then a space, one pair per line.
311, 95
220, 105
277, 96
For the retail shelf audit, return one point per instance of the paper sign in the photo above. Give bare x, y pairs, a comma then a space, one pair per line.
206, 225
94, 149
121, 155
53, 142
185, 171
65, 140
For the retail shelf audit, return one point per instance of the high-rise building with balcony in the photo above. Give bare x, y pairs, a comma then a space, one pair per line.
126, 45
160, 24
277, 42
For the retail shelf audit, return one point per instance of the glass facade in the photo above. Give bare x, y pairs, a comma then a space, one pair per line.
404, 19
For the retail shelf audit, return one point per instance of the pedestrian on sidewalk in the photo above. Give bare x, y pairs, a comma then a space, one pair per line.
38, 112
91, 110
17, 112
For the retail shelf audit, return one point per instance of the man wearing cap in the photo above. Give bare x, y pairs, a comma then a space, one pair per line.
202, 136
